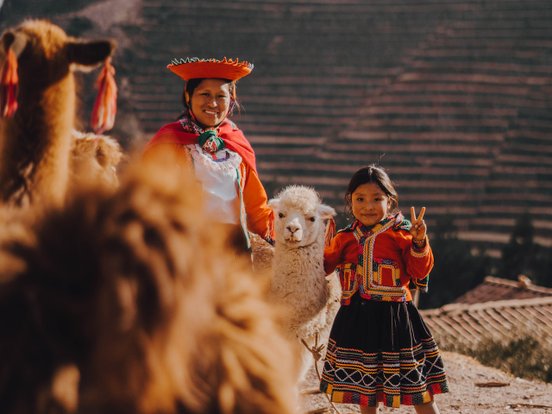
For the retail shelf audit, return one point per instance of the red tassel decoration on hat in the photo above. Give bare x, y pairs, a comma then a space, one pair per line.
105, 106
9, 83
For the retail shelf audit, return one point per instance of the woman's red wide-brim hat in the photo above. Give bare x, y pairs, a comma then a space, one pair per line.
190, 68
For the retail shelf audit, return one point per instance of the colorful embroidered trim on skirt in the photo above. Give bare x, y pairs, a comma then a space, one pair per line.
409, 377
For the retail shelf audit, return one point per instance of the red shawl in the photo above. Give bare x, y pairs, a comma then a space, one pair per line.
233, 137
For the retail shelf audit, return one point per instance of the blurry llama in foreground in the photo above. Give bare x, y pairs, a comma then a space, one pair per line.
125, 302
38, 110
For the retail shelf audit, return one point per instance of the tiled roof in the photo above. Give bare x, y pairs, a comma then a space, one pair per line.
466, 325
453, 96
494, 288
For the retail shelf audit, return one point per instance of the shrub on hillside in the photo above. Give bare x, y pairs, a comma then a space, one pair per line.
523, 255
525, 355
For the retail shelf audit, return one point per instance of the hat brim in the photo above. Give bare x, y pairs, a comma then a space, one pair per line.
219, 69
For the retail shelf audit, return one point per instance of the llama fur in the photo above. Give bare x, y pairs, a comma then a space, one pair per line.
262, 254
94, 157
126, 293
36, 143
298, 278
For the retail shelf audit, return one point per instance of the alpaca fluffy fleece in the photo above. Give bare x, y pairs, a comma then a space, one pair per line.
298, 279
94, 157
139, 291
262, 254
35, 145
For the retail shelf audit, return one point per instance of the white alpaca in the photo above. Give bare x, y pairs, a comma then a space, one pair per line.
299, 280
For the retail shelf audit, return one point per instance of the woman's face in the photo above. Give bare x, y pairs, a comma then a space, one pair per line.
210, 101
369, 204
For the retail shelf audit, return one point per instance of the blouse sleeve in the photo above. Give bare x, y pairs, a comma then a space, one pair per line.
332, 255
259, 215
418, 262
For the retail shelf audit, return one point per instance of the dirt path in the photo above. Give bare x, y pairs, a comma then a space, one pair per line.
465, 397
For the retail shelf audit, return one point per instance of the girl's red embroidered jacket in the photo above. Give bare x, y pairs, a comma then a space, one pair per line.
378, 262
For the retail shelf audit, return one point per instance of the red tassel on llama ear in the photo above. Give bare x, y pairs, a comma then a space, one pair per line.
330, 231
9, 83
105, 106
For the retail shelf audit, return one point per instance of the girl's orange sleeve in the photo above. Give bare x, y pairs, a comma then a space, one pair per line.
332, 254
259, 216
418, 262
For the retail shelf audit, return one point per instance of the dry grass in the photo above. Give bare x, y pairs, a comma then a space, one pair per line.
524, 355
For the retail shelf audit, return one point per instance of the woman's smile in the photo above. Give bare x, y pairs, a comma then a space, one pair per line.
210, 112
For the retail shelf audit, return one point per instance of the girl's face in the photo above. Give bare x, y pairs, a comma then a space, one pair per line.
369, 204
210, 102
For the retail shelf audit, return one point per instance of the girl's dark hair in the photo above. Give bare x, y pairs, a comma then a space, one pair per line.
193, 83
375, 175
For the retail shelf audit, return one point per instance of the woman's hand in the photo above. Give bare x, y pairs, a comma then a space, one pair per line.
419, 228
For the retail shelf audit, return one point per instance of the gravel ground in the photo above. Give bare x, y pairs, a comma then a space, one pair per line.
468, 393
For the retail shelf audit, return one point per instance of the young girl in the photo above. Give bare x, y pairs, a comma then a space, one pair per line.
380, 350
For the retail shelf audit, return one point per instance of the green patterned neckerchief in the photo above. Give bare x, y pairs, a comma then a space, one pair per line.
209, 142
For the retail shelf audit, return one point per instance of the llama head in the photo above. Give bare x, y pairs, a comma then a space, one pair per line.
46, 55
300, 217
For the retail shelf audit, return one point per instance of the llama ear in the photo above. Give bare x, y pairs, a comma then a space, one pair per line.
14, 41
89, 53
326, 212
274, 203
7, 40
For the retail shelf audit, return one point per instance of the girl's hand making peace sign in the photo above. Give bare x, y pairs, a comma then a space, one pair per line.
419, 228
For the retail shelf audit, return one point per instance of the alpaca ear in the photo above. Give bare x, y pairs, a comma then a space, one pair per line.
89, 53
326, 212
274, 204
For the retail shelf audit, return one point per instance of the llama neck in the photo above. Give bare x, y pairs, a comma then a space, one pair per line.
36, 143
315, 247
309, 258
299, 279
51, 114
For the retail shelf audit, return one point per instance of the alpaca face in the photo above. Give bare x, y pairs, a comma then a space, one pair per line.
296, 227
300, 217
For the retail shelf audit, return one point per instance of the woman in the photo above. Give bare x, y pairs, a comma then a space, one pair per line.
222, 158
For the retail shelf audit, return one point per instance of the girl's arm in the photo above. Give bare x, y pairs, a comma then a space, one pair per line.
418, 261
332, 254
419, 256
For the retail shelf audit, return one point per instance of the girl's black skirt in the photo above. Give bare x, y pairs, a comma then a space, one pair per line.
382, 352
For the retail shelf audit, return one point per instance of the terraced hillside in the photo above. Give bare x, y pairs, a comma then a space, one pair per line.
452, 96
